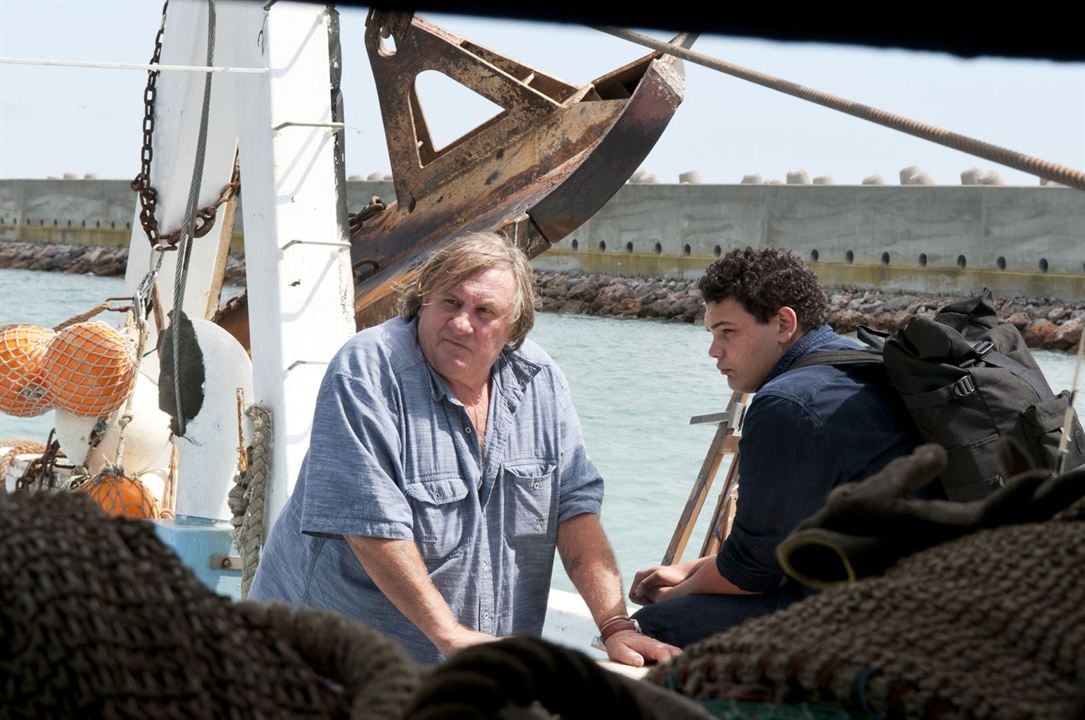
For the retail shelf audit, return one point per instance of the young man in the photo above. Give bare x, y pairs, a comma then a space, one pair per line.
805, 432
446, 465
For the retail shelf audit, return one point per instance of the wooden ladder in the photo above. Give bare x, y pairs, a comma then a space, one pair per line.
725, 442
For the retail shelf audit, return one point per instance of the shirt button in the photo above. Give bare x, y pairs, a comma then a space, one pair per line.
467, 429
485, 616
485, 566
536, 484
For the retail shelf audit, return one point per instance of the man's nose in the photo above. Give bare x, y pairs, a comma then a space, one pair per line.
461, 323
715, 351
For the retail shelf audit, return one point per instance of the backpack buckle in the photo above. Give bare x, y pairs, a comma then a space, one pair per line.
964, 387
983, 347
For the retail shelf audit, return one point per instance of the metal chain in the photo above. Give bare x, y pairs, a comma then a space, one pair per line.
375, 207
40, 473
141, 184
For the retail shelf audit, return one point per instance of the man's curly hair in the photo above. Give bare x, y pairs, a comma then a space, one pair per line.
765, 280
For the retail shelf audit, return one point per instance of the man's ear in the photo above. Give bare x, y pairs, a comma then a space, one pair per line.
787, 324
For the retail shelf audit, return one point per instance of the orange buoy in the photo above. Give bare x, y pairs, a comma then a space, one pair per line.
120, 496
22, 378
89, 369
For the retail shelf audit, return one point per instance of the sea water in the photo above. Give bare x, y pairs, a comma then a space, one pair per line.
635, 384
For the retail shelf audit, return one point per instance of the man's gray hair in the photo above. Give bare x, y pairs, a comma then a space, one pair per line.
463, 258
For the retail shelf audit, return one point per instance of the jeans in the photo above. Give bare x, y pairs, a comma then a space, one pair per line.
687, 619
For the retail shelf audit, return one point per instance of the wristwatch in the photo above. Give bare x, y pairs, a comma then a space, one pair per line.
612, 627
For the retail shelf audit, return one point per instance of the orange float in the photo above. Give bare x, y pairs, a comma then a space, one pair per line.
120, 496
23, 390
89, 369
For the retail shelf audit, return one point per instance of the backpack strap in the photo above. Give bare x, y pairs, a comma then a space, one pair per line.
963, 387
837, 357
987, 353
871, 337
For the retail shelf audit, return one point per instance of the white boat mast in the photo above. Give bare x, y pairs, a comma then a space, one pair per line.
299, 283
297, 253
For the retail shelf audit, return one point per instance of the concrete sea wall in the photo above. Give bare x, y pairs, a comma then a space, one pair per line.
938, 240
909, 238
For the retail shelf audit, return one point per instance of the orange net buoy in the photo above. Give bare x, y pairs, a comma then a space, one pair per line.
23, 388
89, 369
121, 496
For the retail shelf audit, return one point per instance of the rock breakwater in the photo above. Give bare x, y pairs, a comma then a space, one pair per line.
1046, 322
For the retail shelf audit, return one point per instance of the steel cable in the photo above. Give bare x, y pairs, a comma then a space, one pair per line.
995, 153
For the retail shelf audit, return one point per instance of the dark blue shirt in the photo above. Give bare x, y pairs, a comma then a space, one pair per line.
805, 432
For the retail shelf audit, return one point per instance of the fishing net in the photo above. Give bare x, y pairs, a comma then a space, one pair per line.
89, 369
990, 624
22, 377
99, 619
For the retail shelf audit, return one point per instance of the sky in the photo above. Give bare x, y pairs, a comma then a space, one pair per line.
60, 120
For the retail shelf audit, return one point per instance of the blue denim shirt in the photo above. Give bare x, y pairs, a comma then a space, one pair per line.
805, 432
393, 455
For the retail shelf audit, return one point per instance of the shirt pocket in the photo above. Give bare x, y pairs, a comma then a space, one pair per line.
529, 493
438, 508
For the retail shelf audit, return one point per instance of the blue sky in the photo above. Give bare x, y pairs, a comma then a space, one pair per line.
55, 120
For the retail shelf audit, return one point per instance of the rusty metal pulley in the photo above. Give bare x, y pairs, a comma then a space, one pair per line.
540, 168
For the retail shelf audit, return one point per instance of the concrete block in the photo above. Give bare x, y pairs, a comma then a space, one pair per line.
971, 176
798, 177
912, 175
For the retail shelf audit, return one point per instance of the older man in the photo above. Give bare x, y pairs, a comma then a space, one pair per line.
446, 464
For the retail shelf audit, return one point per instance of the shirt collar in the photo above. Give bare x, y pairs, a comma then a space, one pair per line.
809, 341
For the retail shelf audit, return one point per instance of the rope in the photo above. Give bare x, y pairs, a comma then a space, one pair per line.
136, 318
169, 493
995, 153
372, 669
17, 447
482, 681
185, 245
83, 317
153, 67
247, 496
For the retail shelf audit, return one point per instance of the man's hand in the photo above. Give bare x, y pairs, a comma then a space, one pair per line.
696, 577
462, 637
653, 584
630, 647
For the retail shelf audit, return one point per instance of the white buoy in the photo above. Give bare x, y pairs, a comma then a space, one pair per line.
155, 482
146, 438
208, 451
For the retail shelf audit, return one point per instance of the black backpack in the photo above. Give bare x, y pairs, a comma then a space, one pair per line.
968, 379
